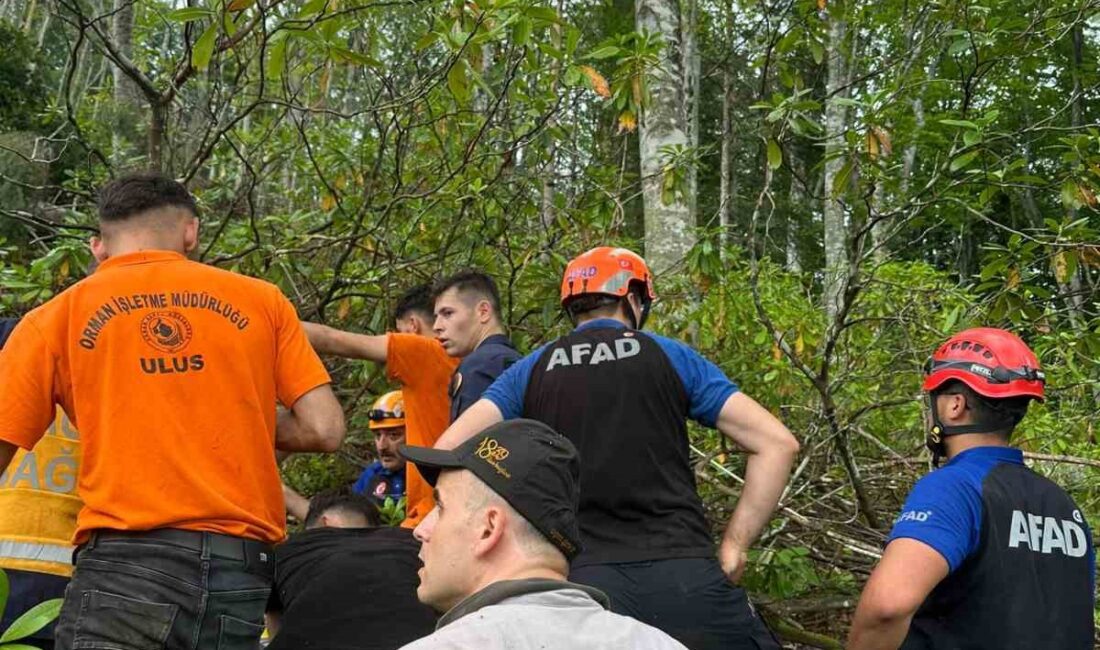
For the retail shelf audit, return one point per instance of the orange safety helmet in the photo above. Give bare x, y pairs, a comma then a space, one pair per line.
607, 271
388, 411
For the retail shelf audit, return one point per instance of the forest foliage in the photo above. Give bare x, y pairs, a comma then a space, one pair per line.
864, 179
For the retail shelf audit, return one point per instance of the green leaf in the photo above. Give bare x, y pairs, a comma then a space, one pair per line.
542, 13
521, 32
189, 14
276, 57
353, 57
817, 51
457, 82
5, 588
18, 646
958, 46
1071, 198
605, 52
312, 7
33, 620
966, 124
963, 160
840, 181
204, 48
775, 154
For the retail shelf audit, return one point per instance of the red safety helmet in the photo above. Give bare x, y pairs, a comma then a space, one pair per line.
993, 362
605, 270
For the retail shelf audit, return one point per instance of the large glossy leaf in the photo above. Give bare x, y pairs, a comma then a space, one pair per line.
204, 47
33, 620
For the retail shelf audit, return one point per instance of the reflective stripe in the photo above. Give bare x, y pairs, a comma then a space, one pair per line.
36, 551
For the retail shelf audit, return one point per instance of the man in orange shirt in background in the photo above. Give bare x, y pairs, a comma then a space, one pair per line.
171, 370
418, 362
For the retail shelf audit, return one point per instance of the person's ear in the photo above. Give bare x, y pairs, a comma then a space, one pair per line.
484, 311
953, 407
492, 524
99, 249
191, 234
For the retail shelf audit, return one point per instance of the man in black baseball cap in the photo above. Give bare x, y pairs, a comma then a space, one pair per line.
499, 542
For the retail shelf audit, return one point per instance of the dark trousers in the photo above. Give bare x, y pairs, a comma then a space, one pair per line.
28, 588
689, 599
166, 590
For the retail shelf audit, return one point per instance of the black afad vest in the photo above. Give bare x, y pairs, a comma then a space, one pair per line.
1028, 586
615, 394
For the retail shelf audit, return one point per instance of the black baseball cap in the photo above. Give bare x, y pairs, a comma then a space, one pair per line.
534, 468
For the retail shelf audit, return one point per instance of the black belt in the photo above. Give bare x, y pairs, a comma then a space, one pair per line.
250, 551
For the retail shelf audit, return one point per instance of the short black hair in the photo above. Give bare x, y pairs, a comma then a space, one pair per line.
470, 281
587, 302
133, 194
1001, 415
417, 299
345, 502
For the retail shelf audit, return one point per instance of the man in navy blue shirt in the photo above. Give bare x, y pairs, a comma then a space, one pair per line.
622, 396
469, 325
986, 553
385, 477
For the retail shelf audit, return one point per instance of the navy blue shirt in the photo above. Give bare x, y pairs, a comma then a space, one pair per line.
7, 326
707, 386
479, 370
378, 482
945, 510
1020, 556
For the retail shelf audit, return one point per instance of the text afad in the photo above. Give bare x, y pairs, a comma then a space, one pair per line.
587, 354
1046, 534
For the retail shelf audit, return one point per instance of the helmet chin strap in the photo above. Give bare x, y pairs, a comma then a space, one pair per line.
935, 439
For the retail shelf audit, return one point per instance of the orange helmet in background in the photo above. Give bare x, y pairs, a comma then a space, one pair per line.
610, 272
387, 412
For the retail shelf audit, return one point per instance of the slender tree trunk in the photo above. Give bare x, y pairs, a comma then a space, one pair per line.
549, 176
836, 227
725, 190
667, 122
1071, 286
127, 95
798, 212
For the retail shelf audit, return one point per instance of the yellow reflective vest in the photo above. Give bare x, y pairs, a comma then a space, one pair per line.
39, 503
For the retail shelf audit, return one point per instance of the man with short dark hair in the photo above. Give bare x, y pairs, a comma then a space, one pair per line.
171, 370
469, 325
347, 582
497, 546
986, 554
418, 363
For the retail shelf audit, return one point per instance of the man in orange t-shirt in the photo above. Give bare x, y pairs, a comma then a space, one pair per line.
418, 362
171, 370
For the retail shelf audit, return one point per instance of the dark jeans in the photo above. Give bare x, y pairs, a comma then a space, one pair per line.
28, 588
166, 590
690, 599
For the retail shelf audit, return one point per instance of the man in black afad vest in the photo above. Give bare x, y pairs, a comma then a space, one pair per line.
622, 396
986, 554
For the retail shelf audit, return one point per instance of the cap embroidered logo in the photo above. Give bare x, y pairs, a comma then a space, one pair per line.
493, 452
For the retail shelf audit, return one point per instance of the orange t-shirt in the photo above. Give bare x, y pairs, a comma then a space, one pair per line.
171, 370
424, 371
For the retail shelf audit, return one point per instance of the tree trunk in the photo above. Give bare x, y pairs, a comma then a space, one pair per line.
127, 95
725, 190
836, 227
1071, 286
798, 211
667, 122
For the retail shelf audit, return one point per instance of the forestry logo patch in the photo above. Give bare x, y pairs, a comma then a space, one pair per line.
167, 331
